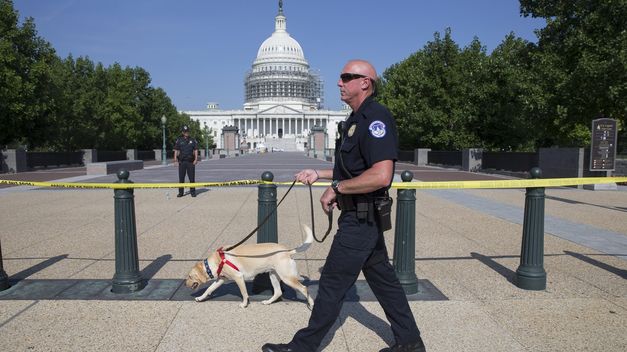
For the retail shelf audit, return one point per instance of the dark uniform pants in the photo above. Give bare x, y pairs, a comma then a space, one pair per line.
189, 168
357, 246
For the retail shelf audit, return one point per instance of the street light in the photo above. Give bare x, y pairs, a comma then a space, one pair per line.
163, 153
206, 141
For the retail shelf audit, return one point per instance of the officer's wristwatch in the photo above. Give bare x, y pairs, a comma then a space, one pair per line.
334, 185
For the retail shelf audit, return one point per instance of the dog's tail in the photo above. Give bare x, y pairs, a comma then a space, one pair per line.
308, 240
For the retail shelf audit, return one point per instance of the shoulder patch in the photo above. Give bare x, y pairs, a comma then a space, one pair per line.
377, 129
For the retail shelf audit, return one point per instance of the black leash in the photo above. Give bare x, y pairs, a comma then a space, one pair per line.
313, 223
263, 221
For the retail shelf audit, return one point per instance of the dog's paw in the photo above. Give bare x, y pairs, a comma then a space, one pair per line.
244, 304
199, 299
266, 302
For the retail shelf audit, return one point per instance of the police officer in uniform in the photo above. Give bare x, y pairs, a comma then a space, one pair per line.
361, 176
186, 157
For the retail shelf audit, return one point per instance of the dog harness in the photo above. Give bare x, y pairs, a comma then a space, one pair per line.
223, 261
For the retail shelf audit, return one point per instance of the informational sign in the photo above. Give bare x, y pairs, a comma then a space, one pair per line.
603, 146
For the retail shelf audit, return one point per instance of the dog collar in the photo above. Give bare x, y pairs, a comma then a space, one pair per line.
207, 269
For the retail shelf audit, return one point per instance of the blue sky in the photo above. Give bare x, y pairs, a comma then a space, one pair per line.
199, 51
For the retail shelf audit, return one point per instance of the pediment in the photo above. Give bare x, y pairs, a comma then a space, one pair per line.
279, 109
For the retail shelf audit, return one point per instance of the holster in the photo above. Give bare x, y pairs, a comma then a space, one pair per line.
383, 206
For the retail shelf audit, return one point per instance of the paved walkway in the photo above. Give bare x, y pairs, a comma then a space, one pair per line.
59, 253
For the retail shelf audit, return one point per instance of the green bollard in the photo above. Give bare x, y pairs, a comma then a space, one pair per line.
267, 204
405, 237
4, 278
127, 277
268, 231
530, 275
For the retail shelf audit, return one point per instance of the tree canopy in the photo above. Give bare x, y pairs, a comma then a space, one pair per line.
523, 95
519, 97
50, 103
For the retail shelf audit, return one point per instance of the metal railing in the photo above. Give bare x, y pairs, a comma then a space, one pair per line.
146, 155
510, 161
406, 155
111, 155
452, 158
46, 159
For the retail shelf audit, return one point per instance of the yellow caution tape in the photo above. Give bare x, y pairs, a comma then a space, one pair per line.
545, 182
130, 185
493, 184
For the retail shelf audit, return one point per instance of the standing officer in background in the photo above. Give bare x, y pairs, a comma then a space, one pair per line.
362, 174
186, 157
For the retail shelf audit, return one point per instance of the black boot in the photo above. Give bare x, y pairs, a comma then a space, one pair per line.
271, 347
415, 347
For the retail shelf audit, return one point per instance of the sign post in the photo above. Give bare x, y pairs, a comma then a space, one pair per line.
603, 146
603, 149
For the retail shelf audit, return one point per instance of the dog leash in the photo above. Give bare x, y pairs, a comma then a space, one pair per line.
263, 221
313, 223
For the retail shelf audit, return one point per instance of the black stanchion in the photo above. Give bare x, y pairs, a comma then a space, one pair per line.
530, 275
267, 232
4, 278
127, 277
405, 237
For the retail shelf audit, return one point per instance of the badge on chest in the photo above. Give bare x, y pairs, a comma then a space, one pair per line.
351, 130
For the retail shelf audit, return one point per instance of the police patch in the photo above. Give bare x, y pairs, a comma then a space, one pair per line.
377, 129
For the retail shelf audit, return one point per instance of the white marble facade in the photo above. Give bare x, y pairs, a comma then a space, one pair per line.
283, 98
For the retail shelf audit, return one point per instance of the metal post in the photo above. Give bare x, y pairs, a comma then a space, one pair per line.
267, 204
164, 155
405, 237
530, 275
268, 231
127, 277
4, 278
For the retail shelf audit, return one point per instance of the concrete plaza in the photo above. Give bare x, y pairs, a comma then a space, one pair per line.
58, 250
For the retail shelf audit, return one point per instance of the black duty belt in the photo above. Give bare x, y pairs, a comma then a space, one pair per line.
368, 207
350, 202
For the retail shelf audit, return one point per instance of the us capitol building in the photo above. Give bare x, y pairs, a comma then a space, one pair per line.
284, 100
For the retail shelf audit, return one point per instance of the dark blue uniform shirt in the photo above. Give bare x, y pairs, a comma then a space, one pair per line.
369, 136
186, 147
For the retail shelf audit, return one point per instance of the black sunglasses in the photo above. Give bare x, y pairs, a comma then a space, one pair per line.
347, 77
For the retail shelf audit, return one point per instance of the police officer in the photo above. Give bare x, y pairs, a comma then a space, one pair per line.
362, 174
186, 157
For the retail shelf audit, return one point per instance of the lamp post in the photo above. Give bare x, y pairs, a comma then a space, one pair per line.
163, 153
206, 141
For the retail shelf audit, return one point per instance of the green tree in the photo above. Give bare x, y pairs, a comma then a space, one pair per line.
582, 60
76, 123
432, 94
26, 90
513, 105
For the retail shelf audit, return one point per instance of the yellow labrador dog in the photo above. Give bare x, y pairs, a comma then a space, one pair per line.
246, 261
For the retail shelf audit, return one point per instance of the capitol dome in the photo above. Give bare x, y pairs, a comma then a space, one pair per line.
280, 47
280, 73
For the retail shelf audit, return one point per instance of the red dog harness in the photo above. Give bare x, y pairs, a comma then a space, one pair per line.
223, 261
